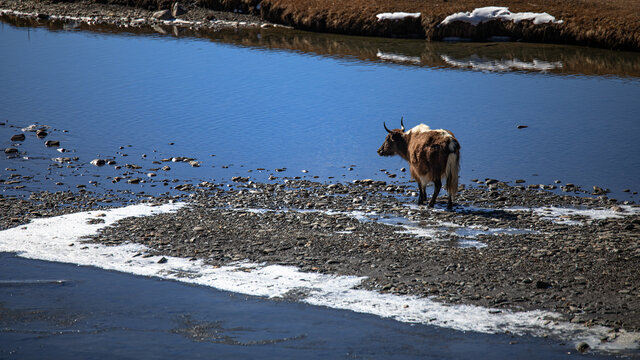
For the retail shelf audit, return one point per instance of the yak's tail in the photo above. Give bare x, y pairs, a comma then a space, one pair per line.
453, 167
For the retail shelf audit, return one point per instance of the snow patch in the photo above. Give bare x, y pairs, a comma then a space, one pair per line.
50, 238
397, 16
480, 15
572, 216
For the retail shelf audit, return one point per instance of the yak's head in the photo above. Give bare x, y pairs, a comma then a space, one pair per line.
394, 143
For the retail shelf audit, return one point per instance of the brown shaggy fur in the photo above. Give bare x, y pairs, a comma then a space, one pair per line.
432, 155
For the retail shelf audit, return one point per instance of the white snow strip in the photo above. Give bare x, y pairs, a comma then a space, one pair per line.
489, 13
572, 216
398, 58
482, 64
397, 16
50, 239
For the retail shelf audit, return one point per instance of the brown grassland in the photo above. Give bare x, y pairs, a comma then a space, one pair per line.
613, 24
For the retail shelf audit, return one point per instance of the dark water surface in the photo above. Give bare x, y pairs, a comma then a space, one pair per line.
261, 99
98, 314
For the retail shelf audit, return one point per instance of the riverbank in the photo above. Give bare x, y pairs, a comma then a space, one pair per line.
611, 25
505, 247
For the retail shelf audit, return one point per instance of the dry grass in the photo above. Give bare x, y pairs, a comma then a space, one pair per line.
611, 24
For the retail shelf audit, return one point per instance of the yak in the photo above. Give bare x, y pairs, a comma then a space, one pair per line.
432, 156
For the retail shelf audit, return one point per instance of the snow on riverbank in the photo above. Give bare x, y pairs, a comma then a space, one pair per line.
59, 239
397, 16
480, 15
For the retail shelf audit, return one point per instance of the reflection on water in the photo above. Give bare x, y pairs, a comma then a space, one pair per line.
486, 64
493, 56
247, 102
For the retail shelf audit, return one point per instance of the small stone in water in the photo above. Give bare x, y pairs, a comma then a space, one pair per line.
582, 347
18, 137
162, 260
10, 150
98, 162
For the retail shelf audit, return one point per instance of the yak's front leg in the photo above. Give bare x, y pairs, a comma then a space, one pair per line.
437, 184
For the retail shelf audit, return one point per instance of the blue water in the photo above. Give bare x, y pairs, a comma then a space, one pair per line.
256, 108
98, 314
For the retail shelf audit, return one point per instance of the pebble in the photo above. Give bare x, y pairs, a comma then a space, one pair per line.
582, 347
18, 137
98, 162
163, 15
10, 150
51, 143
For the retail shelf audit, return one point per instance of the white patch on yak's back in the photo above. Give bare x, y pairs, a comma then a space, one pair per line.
425, 128
419, 129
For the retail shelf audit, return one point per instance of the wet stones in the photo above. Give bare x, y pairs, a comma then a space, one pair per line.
41, 133
18, 137
52, 143
177, 10
98, 162
10, 150
162, 15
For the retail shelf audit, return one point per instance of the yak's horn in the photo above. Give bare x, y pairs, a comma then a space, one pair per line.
401, 124
385, 127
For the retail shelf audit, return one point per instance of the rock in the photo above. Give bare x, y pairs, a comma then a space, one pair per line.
162, 15
51, 143
98, 162
523, 126
582, 347
162, 260
177, 10
599, 191
41, 133
542, 284
520, 181
10, 150
34, 127
134, 181
198, 228
166, 168
18, 137
194, 163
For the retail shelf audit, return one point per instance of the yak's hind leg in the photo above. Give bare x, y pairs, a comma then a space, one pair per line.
422, 197
437, 184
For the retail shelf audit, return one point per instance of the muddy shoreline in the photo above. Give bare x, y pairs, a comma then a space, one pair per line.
590, 23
